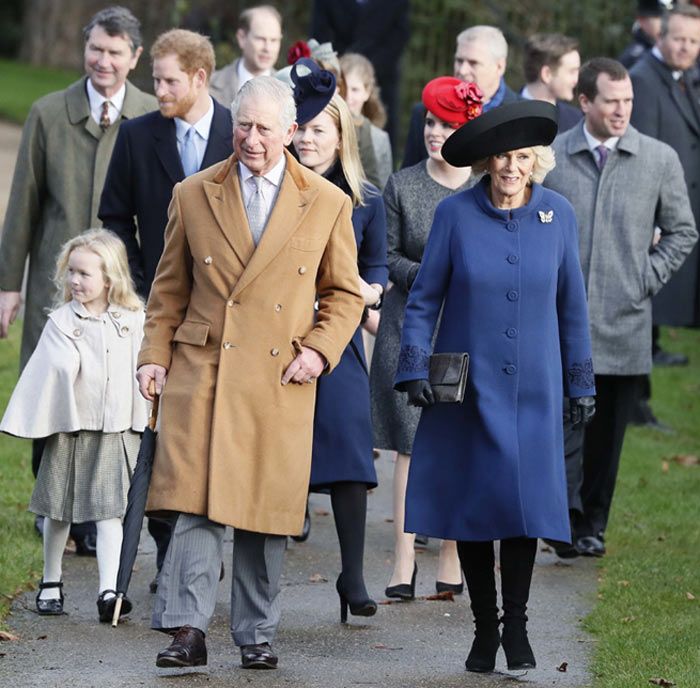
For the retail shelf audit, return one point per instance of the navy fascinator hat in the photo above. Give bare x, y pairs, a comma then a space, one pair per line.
313, 89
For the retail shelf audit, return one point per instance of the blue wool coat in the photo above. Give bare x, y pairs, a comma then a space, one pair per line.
493, 467
342, 445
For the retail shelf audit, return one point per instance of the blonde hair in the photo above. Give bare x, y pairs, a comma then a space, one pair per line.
115, 268
193, 51
545, 162
373, 109
348, 152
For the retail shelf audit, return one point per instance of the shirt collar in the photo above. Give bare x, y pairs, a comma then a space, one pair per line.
244, 75
202, 126
96, 99
274, 176
675, 73
593, 142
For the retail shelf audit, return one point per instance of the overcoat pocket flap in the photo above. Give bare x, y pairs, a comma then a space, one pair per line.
307, 243
191, 332
448, 369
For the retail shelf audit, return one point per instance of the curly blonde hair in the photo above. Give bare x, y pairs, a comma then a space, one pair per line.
115, 268
545, 162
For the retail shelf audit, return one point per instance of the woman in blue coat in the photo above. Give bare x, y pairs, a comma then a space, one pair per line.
502, 263
342, 460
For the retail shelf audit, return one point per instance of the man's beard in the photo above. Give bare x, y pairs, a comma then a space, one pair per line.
179, 108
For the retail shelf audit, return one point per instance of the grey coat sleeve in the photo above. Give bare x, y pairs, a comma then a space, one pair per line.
402, 270
24, 207
675, 218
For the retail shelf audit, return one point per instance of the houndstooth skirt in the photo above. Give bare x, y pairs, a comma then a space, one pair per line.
85, 476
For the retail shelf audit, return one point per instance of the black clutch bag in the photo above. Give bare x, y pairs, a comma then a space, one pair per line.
448, 377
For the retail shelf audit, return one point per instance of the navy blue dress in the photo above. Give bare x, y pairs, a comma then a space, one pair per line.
514, 299
342, 443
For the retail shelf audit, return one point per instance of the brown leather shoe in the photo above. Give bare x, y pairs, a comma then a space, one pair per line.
186, 650
258, 656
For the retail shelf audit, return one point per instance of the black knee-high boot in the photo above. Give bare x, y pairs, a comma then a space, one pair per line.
517, 562
349, 502
477, 562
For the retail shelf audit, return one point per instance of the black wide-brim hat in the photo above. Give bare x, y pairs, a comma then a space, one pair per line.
508, 127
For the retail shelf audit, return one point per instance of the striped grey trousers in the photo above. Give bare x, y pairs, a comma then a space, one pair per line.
190, 578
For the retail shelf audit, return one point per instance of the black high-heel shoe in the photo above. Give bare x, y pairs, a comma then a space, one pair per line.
404, 591
366, 607
454, 588
519, 654
52, 607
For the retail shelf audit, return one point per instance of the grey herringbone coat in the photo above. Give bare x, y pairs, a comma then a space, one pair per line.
640, 187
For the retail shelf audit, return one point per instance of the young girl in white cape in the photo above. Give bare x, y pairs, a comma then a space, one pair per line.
78, 390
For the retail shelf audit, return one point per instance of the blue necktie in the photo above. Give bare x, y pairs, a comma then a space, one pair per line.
188, 155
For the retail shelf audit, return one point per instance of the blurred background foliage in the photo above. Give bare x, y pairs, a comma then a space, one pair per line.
48, 32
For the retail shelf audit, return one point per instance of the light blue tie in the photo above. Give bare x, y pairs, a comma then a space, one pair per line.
188, 154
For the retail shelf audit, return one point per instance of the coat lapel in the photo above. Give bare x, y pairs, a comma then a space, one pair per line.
680, 99
220, 143
226, 203
293, 203
166, 148
78, 107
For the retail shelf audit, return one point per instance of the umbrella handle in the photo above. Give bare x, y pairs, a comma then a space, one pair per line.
154, 408
117, 609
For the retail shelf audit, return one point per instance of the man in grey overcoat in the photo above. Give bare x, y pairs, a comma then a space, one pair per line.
622, 185
61, 166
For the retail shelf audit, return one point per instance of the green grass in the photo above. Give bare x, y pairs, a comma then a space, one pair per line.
21, 84
646, 623
20, 548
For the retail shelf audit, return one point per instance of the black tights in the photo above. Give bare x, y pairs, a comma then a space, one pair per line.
517, 561
349, 501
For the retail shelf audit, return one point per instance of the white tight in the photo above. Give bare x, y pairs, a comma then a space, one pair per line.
109, 543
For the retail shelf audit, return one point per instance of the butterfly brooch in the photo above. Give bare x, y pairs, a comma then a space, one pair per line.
546, 217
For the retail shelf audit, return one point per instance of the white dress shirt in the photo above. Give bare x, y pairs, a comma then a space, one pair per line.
593, 143
272, 181
116, 103
244, 75
201, 137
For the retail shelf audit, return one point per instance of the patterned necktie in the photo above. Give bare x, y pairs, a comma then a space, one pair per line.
602, 156
105, 122
188, 154
256, 210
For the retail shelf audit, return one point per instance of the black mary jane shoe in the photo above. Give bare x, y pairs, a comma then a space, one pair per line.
52, 607
258, 656
105, 607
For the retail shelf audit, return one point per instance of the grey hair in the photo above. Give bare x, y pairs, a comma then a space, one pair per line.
117, 21
268, 88
490, 35
545, 162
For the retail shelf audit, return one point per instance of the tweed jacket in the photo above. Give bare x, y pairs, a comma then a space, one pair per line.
82, 370
223, 84
663, 111
640, 187
226, 319
61, 168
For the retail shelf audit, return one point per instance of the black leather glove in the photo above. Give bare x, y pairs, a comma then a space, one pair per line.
420, 393
582, 410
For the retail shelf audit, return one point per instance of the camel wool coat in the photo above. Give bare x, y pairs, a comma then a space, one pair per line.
226, 320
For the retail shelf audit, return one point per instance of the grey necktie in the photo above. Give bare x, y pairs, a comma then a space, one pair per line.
188, 154
256, 210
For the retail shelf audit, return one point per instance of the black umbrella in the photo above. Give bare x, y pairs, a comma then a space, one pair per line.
135, 509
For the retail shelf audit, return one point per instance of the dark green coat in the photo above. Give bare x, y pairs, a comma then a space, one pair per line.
60, 171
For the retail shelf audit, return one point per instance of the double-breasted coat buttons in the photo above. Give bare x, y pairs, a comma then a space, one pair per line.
274, 352
208, 260
302, 269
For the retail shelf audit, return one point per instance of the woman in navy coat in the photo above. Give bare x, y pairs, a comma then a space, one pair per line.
342, 460
502, 262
